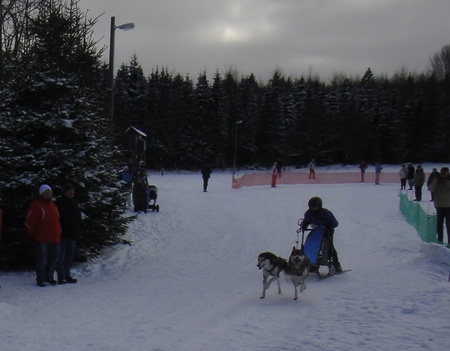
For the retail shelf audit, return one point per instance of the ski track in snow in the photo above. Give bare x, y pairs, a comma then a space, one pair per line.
190, 281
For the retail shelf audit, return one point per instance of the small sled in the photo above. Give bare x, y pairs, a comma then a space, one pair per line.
152, 195
317, 247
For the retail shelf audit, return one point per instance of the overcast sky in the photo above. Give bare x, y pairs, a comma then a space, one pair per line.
259, 36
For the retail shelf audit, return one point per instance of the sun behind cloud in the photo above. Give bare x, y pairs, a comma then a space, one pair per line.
234, 34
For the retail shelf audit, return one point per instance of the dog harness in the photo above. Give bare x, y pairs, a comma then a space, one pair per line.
299, 271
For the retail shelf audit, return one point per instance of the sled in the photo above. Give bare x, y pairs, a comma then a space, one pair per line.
317, 248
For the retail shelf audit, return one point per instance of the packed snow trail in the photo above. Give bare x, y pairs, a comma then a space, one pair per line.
190, 282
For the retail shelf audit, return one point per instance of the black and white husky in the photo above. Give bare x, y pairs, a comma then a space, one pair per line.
271, 266
298, 269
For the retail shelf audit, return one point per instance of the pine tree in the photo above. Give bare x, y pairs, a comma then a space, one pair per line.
130, 97
224, 95
54, 131
245, 124
271, 126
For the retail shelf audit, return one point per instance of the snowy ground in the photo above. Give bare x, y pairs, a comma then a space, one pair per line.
190, 282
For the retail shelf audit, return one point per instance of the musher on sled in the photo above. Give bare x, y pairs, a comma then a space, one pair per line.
319, 245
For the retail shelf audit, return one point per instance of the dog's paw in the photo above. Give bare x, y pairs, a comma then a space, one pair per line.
262, 297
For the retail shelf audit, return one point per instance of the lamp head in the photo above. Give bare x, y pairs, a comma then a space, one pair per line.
126, 26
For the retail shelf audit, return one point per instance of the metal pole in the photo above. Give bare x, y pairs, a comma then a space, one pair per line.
111, 67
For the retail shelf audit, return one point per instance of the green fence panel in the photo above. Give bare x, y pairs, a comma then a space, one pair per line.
421, 220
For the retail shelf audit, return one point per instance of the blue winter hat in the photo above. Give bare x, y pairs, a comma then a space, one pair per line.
44, 188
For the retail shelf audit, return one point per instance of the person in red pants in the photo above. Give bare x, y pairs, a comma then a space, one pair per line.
274, 175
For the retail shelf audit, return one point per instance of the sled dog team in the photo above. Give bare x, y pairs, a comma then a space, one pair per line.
297, 268
299, 265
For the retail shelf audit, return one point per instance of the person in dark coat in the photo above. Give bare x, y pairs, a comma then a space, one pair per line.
279, 168
317, 216
441, 188
434, 174
418, 181
72, 227
206, 174
140, 186
363, 167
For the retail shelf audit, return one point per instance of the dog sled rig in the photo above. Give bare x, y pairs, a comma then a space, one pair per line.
317, 248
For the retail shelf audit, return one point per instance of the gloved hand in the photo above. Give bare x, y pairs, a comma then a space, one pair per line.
304, 226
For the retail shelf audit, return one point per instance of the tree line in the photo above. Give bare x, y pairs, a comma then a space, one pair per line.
228, 118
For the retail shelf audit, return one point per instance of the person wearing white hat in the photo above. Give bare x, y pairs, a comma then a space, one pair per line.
43, 225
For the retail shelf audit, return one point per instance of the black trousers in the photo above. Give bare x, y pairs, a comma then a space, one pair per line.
418, 192
205, 184
443, 213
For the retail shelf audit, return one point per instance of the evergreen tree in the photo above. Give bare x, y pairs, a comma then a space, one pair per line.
366, 112
300, 95
245, 124
201, 128
271, 124
171, 110
130, 97
54, 131
224, 95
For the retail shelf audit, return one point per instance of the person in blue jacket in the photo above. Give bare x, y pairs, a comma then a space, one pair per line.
378, 169
317, 216
127, 177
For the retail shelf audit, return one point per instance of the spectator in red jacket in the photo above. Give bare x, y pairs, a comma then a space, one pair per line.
43, 225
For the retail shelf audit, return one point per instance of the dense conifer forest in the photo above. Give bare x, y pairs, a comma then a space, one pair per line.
227, 117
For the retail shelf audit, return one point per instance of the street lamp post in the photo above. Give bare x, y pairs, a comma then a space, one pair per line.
126, 26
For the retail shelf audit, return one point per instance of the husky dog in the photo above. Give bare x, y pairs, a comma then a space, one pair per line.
298, 269
272, 266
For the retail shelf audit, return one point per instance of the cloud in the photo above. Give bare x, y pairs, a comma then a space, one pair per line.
259, 36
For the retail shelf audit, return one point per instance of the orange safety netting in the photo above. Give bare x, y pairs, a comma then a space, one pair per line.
255, 179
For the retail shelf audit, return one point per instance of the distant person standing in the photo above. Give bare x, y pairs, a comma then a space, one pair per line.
70, 215
127, 177
312, 171
433, 175
403, 174
279, 168
43, 225
440, 186
274, 175
418, 181
206, 174
410, 177
140, 186
378, 169
363, 167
